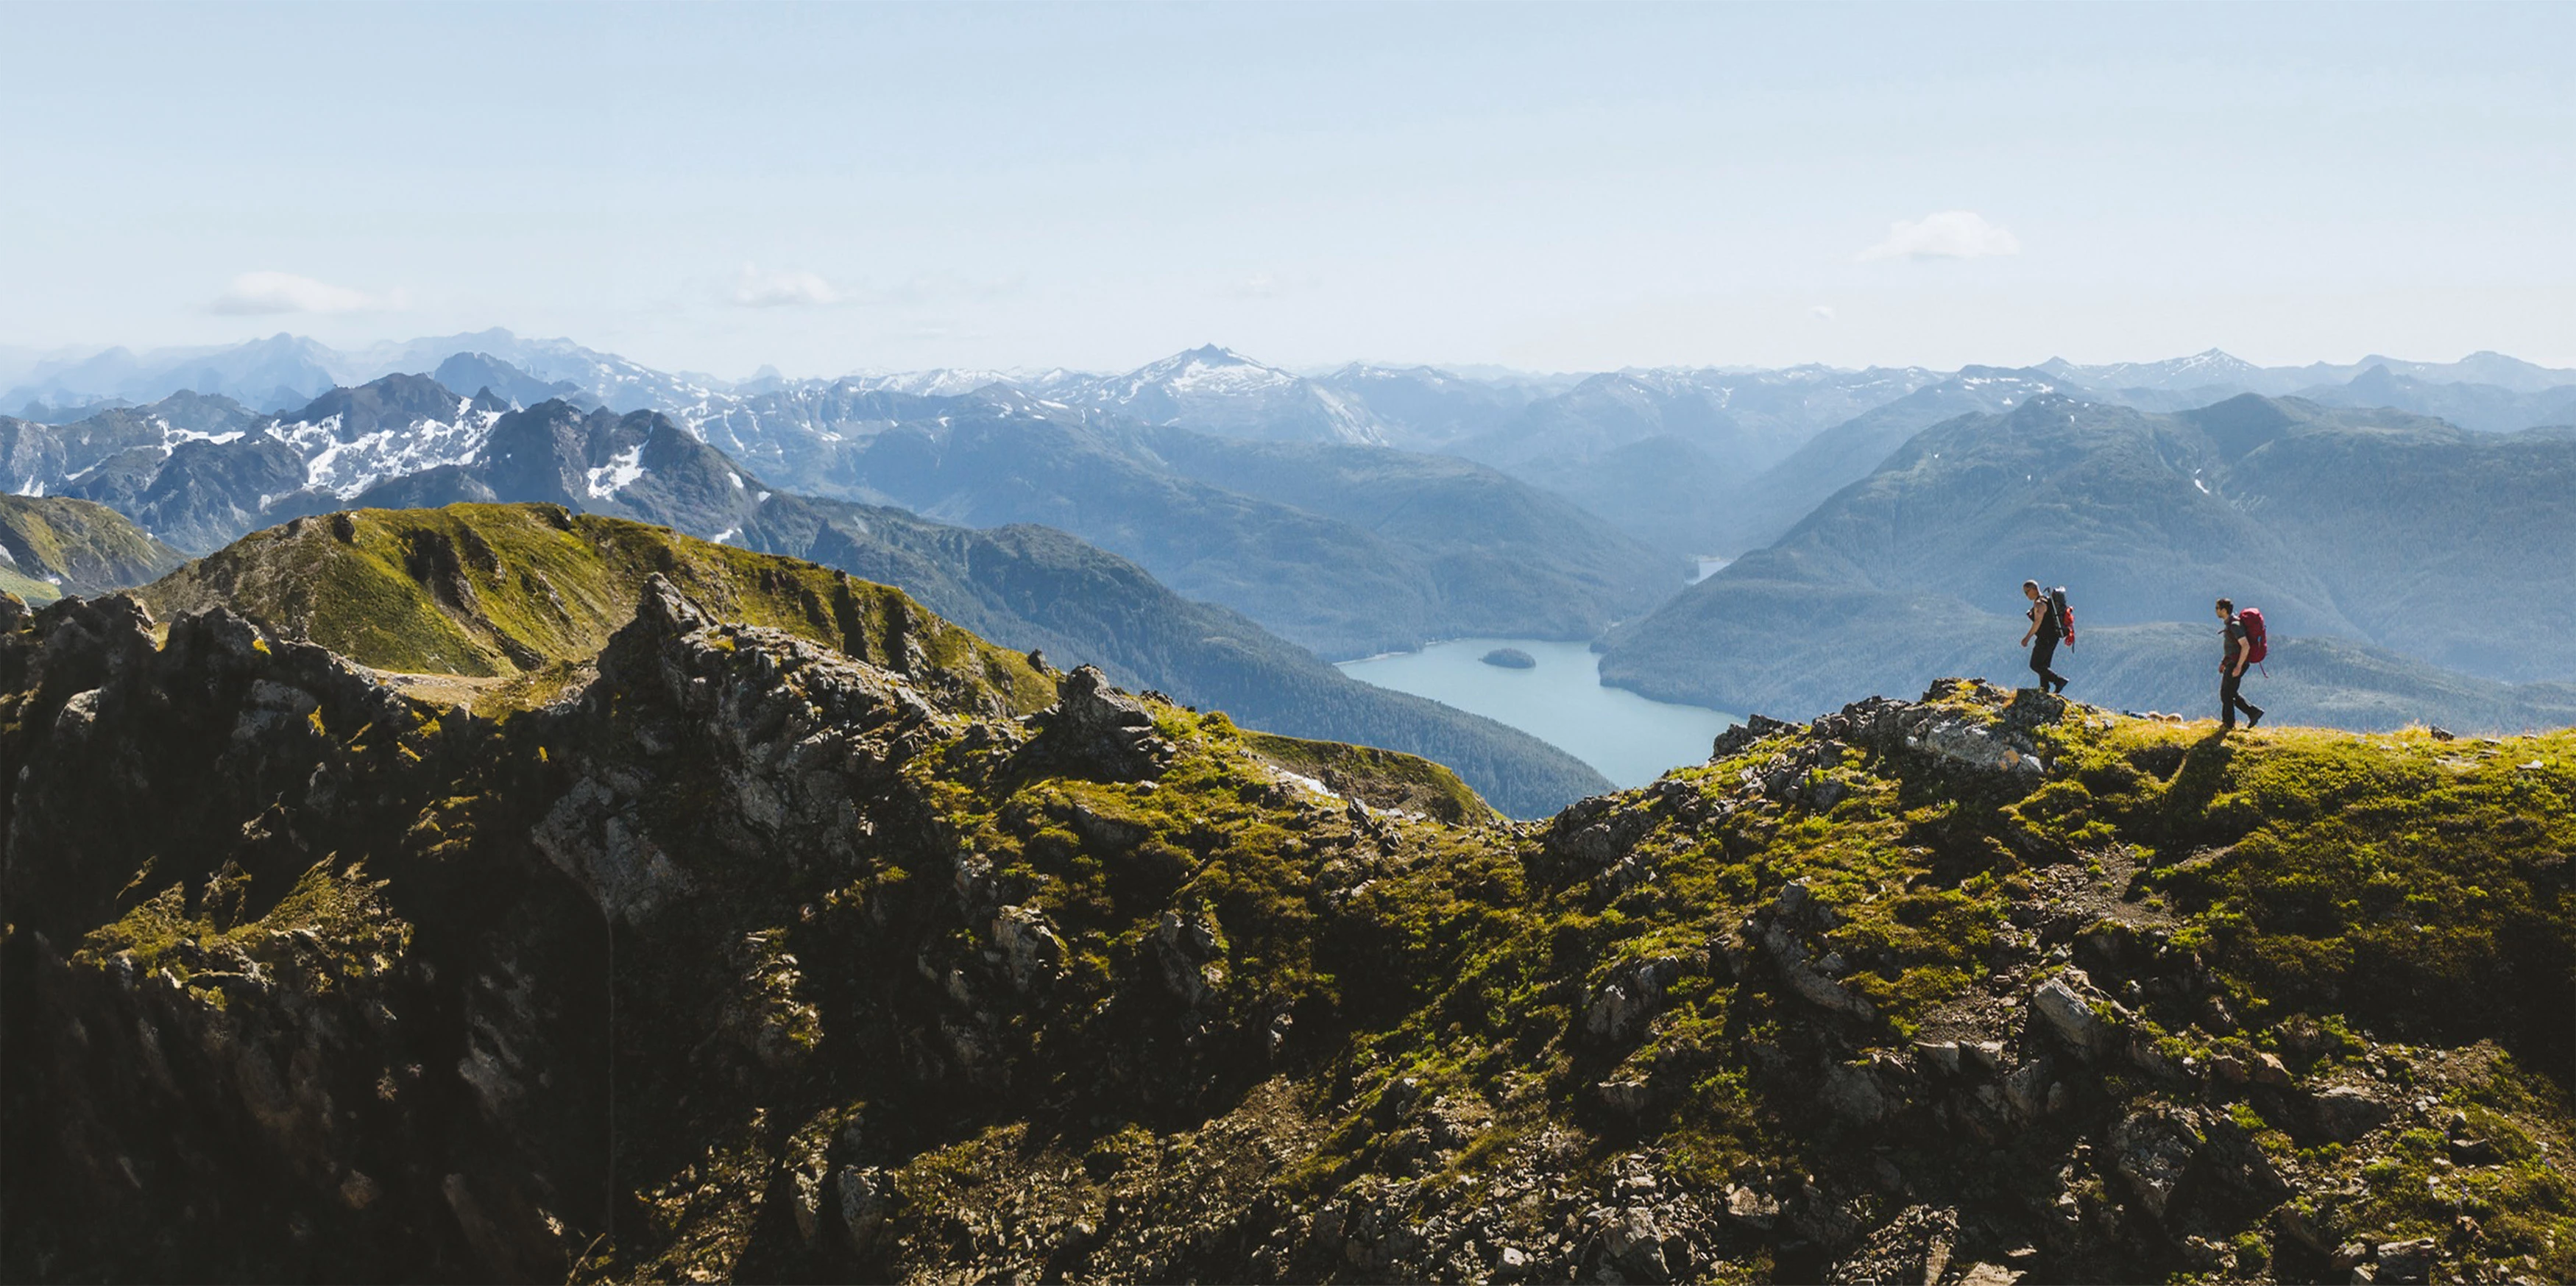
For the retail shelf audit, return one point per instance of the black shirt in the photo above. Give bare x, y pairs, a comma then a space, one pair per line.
2231, 641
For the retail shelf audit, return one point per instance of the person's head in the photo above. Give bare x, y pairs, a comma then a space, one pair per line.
2030, 590
2227, 607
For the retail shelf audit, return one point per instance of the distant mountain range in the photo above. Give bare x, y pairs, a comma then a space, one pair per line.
2217, 370
1369, 508
2424, 545
205, 471
1217, 390
1349, 548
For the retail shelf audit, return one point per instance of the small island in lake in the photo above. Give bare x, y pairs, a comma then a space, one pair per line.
1511, 658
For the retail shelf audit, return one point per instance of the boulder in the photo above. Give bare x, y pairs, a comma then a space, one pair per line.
1627, 1096
1032, 952
1627, 1000
2404, 1261
2344, 1113
1751, 1208
1634, 1240
1852, 1095
1939, 1057
2026, 1091
2152, 1151
1186, 947
867, 1197
2068, 1012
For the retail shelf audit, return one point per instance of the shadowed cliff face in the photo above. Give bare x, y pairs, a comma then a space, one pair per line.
747, 958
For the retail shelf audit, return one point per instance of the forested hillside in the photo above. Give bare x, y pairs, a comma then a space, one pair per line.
2410, 541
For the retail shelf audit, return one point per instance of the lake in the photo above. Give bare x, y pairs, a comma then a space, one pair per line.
1630, 739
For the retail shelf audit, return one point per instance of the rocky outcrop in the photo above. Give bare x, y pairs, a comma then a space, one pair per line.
1095, 730
750, 959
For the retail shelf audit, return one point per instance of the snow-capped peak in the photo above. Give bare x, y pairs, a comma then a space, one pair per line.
1209, 370
346, 464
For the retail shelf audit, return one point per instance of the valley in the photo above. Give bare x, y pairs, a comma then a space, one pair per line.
1369, 510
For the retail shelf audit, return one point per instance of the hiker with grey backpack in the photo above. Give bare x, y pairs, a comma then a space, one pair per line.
2242, 642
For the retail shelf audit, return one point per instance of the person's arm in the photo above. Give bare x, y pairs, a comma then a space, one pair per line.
2237, 648
2034, 625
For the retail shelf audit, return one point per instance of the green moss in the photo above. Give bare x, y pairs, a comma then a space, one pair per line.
339, 914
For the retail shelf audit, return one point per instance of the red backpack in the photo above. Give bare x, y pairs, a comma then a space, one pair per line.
2255, 648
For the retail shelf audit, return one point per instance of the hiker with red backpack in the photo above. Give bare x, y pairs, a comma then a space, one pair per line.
2051, 620
2242, 643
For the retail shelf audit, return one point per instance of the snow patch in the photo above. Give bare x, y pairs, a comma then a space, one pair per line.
345, 465
172, 435
621, 471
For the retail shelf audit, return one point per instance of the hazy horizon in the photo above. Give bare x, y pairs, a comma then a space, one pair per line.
16, 362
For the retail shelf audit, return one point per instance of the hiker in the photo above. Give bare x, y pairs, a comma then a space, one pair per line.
2235, 653
2046, 624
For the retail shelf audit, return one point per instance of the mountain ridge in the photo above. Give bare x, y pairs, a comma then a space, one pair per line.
751, 960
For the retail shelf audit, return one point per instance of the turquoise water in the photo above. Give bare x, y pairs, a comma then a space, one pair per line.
1630, 739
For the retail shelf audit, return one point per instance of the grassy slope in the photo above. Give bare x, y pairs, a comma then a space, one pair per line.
89, 548
529, 591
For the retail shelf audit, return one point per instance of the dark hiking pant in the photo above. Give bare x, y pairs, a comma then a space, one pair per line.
2229, 702
2041, 653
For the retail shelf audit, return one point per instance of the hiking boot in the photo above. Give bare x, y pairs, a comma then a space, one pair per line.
2252, 717
2226, 726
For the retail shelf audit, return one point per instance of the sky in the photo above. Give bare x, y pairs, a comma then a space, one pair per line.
844, 188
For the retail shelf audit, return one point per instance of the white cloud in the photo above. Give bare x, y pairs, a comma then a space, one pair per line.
1950, 234
1822, 312
254, 293
757, 289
